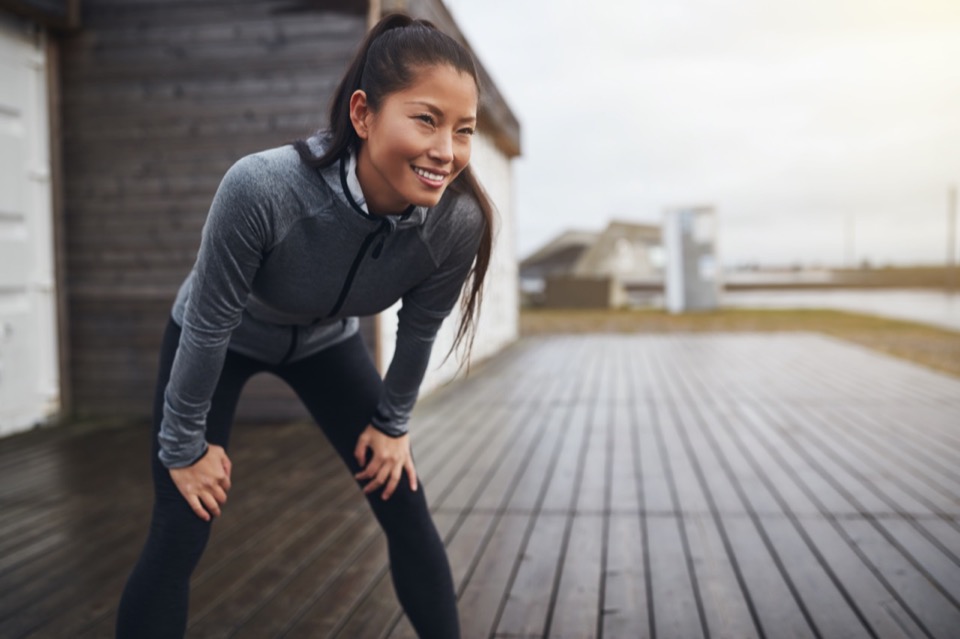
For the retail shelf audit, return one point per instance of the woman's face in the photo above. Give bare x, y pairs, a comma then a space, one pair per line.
417, 142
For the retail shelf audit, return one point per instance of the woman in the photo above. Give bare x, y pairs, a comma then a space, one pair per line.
300, 240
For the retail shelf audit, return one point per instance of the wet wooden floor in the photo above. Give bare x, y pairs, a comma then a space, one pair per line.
784, 485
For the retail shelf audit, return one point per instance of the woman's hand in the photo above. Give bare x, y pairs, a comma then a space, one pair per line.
391, 455
206, 482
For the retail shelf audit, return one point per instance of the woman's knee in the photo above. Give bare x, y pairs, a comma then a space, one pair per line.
404, 512
177, 537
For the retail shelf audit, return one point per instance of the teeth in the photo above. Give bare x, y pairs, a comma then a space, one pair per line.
428, 174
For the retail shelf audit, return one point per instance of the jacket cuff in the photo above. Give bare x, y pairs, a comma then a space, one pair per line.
169, 462
382, 423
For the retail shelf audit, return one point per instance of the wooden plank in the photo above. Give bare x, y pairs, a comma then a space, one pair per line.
575, 606
625, 608
677, 609
922, 472
717, 540
627, 605
480, 598
941, 616
574, 611
526, 603
926, 431
813, 579
879, 496
882, 606
340, 565
374, 612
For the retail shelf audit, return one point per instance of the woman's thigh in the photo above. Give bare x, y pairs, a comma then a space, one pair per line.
236, 371
341, 387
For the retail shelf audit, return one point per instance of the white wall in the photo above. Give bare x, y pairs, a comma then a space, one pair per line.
499, 314
29, 387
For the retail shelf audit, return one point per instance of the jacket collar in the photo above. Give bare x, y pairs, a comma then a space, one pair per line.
341, 177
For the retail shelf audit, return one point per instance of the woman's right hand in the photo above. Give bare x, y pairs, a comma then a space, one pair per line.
206, 482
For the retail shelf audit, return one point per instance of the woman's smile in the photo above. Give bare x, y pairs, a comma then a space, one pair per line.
434, 179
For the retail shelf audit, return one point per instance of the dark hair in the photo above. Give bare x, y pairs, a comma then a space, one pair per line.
391, 55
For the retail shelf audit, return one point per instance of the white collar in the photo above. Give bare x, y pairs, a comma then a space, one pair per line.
353, 183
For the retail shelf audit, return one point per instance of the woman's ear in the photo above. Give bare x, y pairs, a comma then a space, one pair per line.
360, 113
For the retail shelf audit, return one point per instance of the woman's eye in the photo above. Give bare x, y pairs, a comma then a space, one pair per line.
425, 118
466, 131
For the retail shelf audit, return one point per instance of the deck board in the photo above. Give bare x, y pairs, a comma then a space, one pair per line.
777, 485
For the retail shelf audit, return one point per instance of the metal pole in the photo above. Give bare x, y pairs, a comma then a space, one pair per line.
851, 256
951, 238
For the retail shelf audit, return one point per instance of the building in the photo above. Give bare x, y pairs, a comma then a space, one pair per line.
585, 268
120, 119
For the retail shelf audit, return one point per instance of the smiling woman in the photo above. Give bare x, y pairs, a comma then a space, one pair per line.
300, 240
419, 140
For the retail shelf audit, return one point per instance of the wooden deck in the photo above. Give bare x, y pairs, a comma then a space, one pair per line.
784, 485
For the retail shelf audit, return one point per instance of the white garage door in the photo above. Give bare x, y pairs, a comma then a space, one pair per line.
28, 346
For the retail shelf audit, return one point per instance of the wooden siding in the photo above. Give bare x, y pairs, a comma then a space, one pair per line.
158, 100
780, 486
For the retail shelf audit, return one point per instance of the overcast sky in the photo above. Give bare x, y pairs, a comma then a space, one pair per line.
795, 119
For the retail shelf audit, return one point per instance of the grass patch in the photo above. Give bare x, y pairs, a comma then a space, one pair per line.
936, 348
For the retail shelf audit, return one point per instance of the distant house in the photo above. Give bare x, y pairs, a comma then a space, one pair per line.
559, 256
122, 117
585, 268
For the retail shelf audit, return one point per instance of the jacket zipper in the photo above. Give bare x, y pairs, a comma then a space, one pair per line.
384, 226
385, 229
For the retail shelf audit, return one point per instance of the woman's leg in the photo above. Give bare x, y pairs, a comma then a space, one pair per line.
154, 601
341, 387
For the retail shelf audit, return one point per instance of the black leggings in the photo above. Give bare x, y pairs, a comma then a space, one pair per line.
341, 387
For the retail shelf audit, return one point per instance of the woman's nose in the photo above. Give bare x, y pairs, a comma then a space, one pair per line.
442, 149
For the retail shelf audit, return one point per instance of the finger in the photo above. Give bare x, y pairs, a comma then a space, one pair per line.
394, 481
368, 472
219, 494
194, 502
371, 470
379, 480
227, 466
210, 504
412, 474
224, 479
359, 452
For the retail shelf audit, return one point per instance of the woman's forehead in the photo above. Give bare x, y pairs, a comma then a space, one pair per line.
441, 84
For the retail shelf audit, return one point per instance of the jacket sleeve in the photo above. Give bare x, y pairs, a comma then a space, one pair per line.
233, 240
424, 307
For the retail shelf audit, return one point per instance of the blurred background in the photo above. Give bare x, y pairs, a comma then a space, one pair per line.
819, 142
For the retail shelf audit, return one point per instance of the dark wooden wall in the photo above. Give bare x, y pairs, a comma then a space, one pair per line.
159, 98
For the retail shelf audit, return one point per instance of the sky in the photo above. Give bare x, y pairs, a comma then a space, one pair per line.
822, 131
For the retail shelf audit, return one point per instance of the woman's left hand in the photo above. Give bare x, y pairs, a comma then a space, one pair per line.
391, 455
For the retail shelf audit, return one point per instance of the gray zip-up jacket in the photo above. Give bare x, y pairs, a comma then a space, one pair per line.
289, 258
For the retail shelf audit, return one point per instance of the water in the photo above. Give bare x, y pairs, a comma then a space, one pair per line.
927, 307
